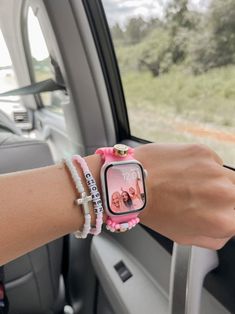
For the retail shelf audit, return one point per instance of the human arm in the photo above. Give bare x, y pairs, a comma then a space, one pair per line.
190, 196
37, 206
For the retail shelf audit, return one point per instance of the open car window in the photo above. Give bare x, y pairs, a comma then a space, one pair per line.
176, 60
7, 75
40, 62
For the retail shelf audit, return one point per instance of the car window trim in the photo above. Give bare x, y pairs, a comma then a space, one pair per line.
102, 37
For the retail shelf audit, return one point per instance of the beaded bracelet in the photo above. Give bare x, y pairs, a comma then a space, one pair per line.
84, 200
98, 208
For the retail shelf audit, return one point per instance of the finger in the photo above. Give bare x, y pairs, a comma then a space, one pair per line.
218, 159
219, 224
230, 173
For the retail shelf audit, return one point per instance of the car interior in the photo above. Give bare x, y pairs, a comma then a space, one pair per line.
82, 105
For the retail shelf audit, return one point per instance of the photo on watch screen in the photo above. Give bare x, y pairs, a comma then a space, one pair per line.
125, 186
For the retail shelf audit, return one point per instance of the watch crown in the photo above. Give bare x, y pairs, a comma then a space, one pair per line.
120, 150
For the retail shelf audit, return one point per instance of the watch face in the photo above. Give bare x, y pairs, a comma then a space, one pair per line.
125, 190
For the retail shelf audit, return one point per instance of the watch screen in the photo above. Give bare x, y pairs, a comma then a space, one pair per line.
125, 188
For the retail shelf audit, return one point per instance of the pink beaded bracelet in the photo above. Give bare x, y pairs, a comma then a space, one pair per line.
121, 227
96, 199
82, 201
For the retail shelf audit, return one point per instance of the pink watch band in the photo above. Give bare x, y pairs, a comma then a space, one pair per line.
126, 221
107, 154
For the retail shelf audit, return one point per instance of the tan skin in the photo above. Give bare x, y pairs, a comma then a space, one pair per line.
191, 200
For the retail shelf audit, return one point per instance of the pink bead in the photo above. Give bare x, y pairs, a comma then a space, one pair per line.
130, 224
117, 227
137, 220
113, 224
109, 222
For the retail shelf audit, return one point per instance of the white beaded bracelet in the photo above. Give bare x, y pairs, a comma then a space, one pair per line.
84, 200
97, 202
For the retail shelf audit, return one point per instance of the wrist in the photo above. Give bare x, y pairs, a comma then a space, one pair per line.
140, 155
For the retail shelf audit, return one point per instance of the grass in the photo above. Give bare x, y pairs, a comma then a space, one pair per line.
166, 108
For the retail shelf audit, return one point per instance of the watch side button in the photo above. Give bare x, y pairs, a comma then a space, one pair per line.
145, 173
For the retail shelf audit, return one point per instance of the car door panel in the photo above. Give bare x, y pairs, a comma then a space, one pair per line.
149, 287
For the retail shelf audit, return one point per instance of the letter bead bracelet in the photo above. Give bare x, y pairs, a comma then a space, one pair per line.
96, 199
85, 199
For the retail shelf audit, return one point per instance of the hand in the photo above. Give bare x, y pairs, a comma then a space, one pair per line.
190, 195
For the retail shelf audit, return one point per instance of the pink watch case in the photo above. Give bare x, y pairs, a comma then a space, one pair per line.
123, 186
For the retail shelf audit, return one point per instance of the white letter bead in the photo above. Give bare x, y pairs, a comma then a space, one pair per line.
124, 226
94, 188
95, 196
90, 182
97, 202
98, 209
87, 175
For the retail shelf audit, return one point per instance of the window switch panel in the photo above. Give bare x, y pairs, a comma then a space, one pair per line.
123, 271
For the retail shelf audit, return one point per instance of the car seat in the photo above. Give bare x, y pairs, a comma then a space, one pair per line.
33, 282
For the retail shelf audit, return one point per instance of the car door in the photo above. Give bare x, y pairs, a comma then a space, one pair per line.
108, 103
157, 281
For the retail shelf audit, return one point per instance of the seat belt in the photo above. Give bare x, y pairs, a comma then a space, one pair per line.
4, 304
35, 88
48, 85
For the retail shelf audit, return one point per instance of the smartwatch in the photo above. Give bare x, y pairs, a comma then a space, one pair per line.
123, 187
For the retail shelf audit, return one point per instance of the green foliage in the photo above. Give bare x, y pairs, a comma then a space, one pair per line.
135, 30
179, 21
155, 53
208, 98
152, 54
199, 40
181, 71
213, 43
117, 33
160, 108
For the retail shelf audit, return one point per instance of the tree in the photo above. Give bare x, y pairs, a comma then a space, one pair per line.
222, 20
177, 14
117, 33
180, 21
214, 43
135, 30
155, 52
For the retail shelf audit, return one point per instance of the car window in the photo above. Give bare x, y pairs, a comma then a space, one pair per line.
7, 74
177, 64
11, 105
41, 62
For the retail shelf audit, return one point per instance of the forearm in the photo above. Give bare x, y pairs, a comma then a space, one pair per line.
190, 199
37, 206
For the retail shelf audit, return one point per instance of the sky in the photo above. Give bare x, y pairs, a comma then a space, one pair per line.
116, 11
121, 10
